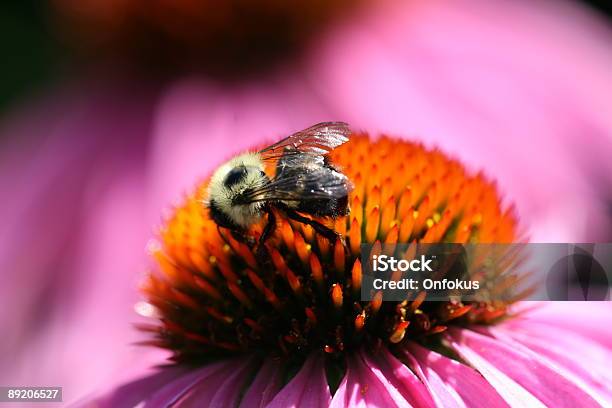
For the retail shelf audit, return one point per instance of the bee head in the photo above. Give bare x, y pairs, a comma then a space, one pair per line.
240, 181
236, 176
230, 187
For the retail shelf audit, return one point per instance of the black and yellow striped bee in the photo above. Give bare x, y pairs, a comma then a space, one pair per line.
305, 183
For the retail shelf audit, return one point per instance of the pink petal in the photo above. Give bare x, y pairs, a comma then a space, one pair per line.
581, 360
388, 368
307, 389
441, 395
134, 392
214, 385
587, 318
521, 377
451, 383
265, 385
206, 381
213, 393
364, 385
73, 234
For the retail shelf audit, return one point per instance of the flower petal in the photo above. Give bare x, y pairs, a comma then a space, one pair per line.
72, 177
400, 376
307, 389
364, 385
581, 360
212, 376
134, 392
226, 394
451, 383
264, 387
213, 385
578, 317
522, 378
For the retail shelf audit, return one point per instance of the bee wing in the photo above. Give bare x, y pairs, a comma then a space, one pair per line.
308, 183
317, 140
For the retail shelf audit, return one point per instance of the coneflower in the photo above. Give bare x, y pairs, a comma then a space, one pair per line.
296, 333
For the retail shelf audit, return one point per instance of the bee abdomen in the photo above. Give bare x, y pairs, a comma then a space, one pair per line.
325, 207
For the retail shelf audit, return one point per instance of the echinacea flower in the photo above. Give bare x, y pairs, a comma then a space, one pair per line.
294, 332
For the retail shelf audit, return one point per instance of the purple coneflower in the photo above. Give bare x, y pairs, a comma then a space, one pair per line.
296, 333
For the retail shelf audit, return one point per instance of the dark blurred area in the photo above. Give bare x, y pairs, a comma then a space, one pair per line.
31, 54
39, 39
34, 55
604, 6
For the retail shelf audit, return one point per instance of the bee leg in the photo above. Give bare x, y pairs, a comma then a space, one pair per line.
262, 251
238, 235
321, 229
242, 237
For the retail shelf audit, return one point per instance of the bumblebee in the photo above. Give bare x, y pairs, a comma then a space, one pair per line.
305, 184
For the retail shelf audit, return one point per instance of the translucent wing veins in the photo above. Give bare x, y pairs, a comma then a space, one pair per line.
317, 140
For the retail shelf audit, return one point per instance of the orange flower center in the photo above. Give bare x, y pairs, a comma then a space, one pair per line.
214, 298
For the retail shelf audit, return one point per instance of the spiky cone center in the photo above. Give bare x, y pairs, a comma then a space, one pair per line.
214, 298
